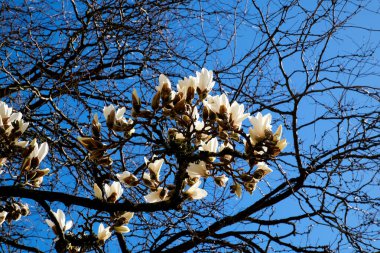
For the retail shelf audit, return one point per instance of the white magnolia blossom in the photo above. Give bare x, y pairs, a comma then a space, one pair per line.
5, 111
155, 167
186, 83
119, 114
22, 126
61, 218
205, 82
197, 170
7, 118
210, 146
127, 216
237, 115
127, 178
260, 124
194, 192
162, 80
262, 170
122, 221
214, 103
3, 215
221, 180
234, 112
107, 110
157, 196
113, 192
39, 151
281, 144
103, 233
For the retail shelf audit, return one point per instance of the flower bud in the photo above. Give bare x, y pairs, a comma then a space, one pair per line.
190, 94
180, 106
136, 102
95, 127
156, 101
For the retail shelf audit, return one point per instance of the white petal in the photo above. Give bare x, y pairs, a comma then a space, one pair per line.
43, 150
122, 229
98, 192
50, 223
68, 225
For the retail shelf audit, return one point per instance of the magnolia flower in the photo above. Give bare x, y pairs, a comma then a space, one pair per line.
15, 117
120, 114
218, 104
21, 125
261, 124
126, 217
5, 111
236, 189
163, 80
194, 192
121, 221
107, 110
3, 214
112, 116
128, 178
113, 192
197, 170
205, 82
221, 180
210, 146
61, 218
187, 84
39, 151
160, 195
154, 168
250, 186
237, 115
281, 144
262, 170
103, 233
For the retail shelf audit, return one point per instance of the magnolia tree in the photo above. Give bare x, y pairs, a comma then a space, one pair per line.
275, 150
194, 135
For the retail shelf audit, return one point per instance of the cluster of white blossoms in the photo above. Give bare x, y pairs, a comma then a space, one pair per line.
120, 222
12, 126
13, 212
206, 130
119, 227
